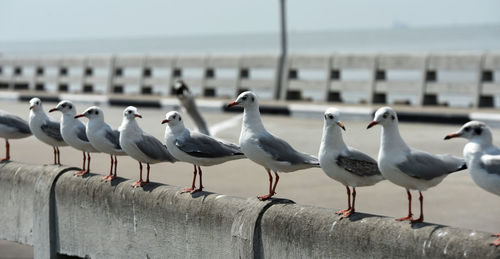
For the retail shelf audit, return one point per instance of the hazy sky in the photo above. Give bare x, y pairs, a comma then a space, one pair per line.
22, 20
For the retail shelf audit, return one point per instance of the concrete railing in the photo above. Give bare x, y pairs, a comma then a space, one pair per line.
59, 214
229, 75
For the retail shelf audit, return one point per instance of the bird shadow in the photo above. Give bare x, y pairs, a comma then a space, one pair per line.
357, 216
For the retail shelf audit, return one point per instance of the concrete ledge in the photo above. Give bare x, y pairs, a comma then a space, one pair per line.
46, 206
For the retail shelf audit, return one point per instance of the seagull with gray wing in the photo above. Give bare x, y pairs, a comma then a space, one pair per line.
12, 127
345, 164
407, 167
102, 137
196, 148
140, 145
265, 149
482, 157
73, 133
45, 129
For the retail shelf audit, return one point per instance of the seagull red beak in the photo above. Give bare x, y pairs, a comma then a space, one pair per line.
232, 104
138, 115
452, 135
53, 110
164, 121
373, 123
79, 116
341, 125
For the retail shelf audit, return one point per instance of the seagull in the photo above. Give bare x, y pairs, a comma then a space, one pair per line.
345, 164
182, 92
73, 133
12, 127
140, 145
482, 157
45, 129
407, 167
265, 149
102, 137
196, 148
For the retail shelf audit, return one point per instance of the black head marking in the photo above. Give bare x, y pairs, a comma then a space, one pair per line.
393, 117
478, 130
253, 99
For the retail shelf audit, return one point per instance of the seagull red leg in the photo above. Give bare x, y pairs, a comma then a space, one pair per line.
88, 163
200, 180
58, 156
54, 148
81, 172
348, 201
147, 175
410, 215
267, 196
7, 151
190, 189
421, 218
497, 241
350, 211
139, 182
107, 177
116, 166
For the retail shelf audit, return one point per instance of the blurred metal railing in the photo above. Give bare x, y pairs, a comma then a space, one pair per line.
229, 75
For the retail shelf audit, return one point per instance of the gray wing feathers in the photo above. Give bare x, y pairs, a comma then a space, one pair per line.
15, 122
491, 164
282, 151
52, 129
114, 137
153, 148
80, 132
358, 163
425, 166
200, 145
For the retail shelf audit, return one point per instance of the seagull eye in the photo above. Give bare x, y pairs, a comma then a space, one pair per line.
478, 131
64, 105
330, 116
385, 115
96, 112
70, 107
129, 112
243, 98
467, 129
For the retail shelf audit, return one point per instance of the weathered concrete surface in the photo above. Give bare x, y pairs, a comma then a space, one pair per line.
87, 217
295, 231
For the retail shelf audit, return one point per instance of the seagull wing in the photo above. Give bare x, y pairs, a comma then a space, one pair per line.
80, 132
201, 145
13, 121
52, 129
491, 164
358, 163
426, 166
113, 136
153, 148
280, 150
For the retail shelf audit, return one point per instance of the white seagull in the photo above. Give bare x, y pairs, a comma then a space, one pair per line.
73, 133
102, 137
196, 148
407, 167
45, 129
182, 92
140, 145
265, 149
12, 127
482, 157
345, 164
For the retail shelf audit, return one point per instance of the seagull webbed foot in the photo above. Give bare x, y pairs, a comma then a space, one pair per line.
497, 241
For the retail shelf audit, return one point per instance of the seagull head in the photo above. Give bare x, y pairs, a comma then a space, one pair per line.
384, 116
472, 130
181, 89
245, 99
91, 113
173, 119
130, 113
332, 117
66, 107
35, 104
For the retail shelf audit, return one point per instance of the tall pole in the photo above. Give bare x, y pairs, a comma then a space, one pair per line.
283, 53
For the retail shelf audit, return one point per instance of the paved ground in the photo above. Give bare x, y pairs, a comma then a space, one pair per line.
457, 201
